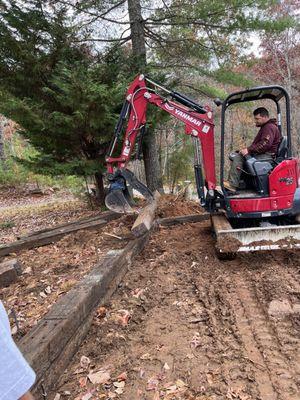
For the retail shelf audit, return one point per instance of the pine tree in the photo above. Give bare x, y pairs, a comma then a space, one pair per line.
64, 96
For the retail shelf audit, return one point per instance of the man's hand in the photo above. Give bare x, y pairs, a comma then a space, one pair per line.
244, 151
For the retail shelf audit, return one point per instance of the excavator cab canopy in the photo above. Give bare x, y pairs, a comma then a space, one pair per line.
274, 93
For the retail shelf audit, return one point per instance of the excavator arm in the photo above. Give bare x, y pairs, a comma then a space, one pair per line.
198, 121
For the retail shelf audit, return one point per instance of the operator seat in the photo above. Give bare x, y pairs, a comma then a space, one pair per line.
256, 172
259, 170
282, 150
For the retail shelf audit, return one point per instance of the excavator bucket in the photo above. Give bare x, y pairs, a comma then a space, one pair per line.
118, 201
265, 237
118, 198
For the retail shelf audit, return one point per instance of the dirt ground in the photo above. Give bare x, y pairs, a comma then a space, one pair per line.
51, 271
185, 325
22, 212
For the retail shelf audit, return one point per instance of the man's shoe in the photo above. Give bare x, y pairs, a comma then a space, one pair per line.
229, 187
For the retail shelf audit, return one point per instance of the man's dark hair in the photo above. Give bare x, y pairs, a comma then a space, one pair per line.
261, 111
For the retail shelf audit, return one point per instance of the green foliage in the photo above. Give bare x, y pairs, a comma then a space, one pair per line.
64, 96
180, 163
13, 173
232, 77
7, 224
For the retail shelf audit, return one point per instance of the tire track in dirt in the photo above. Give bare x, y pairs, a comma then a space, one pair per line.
284, 322
261, 343
237, 372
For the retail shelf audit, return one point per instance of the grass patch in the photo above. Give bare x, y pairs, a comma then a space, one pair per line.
7, 224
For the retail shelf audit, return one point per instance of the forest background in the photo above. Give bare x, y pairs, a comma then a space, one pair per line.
65, 66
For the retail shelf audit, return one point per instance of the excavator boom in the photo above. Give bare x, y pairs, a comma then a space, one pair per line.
198, 121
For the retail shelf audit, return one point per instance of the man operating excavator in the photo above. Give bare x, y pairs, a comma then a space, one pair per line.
264, 147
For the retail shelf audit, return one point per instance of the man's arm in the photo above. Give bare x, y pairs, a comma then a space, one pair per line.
264, 144
16, 376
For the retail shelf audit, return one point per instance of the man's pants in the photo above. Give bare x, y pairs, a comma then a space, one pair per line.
238, 162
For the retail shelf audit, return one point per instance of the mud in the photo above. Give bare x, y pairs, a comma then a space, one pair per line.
199, 328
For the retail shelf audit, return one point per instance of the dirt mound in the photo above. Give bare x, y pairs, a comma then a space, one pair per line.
171, 206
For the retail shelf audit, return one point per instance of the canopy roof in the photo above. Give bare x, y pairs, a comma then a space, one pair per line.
274, 93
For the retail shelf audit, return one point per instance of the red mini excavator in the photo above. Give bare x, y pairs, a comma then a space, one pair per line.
262, 215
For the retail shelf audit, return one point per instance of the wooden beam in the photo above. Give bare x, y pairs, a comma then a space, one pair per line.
55, 234
220, 223
104, 215
9, 271
145, 219
183, 219
51, 344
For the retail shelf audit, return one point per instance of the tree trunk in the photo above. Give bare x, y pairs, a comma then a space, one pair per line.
100, 191
150, 153
137, 34
151, 161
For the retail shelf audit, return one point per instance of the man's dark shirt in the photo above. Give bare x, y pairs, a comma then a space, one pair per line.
267, 139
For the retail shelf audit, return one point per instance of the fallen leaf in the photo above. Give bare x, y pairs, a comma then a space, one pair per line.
119, 384
48, 290
122, 376
99, 377
171, 389
180, 383
119, 390
190, 356
101, 312
87, 396
166, 367
57, 396
142, 373
195, 342
137, 292
161, 376
83, 381
152, 383
42, 294
85, 362
145, 356
124, 318
209, 378
14, 330
156, 396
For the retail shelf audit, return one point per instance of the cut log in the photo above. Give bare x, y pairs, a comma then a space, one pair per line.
52, 343
183, 219
145, 219
54, 235
9, 271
